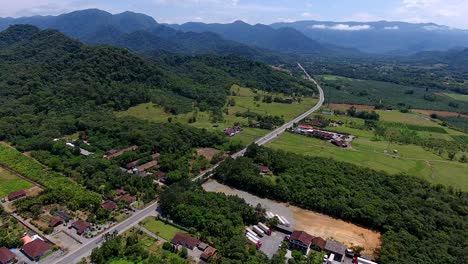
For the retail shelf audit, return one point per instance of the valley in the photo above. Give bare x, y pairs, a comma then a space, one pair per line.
125, 139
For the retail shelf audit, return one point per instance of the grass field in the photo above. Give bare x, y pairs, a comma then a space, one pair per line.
159, 228
412, 159
459, 97
244, 101
10, 183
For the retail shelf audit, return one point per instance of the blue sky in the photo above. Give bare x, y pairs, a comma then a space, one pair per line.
446, 12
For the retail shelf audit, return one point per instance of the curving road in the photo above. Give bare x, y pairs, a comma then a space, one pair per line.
85, 249
273, 134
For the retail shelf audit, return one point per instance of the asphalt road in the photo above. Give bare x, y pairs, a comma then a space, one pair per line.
273, 134
85, 249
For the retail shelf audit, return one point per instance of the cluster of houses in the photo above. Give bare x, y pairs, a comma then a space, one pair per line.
340, 140
336, 252
192, 243
232, 131
136, 167
34, 247
114, 153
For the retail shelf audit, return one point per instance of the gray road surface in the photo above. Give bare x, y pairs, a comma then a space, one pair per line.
85, 249
273, 134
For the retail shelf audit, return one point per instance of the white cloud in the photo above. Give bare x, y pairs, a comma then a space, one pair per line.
392, 28
343, 27
451, 12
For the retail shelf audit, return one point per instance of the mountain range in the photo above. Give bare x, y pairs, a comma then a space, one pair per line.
271, 43
383, 37
137, 32
142, 33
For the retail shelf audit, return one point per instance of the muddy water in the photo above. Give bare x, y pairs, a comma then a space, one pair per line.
313, 223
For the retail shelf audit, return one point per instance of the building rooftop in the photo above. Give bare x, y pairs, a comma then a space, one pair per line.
81, 226
6, 255
185, 240
301, 236
15, 195
109, 205
55, 221
335, 247
35, 248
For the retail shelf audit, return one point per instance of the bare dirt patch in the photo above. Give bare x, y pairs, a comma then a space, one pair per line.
439, 113
208, 153
314, 223
331, 228
347, 106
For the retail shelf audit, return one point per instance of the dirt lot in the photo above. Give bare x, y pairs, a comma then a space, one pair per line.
331, 228
208, 153
439, 113
309, 221
347, 106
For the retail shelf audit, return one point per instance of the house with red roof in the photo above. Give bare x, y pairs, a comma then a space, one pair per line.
109, 205
6, 256
301, 240
16, 195
55, 221
185, 240
208, 253
81, 226
36, 249
128, 198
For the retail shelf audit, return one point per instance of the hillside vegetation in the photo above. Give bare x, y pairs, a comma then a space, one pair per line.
420, 222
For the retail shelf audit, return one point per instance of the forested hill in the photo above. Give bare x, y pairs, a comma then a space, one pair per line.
45, 75
140, 33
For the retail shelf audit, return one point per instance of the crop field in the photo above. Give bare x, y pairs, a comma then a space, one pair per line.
412, 159
11, 183
459, 97
366, 92
160, 228
244, 101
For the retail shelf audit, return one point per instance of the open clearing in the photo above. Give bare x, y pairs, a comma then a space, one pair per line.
347, 106
160, 228
208, 153
413, 160
244, 101
439, 113
309, 221
459, 97
11, 183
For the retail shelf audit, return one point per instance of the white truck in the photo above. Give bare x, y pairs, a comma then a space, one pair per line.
264, 228
259, 231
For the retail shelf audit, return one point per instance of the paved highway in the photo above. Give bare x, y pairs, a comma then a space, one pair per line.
85, 249
270, 136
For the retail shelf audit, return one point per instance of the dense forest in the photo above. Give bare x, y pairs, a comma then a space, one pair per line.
215, 218
420, 222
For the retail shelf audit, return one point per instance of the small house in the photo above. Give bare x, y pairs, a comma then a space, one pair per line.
109, 205
81, 226
185, 240
318, 243
55, 221
128, 198
208, 253
6, 256
16, 195
336, 248
264, 169
36, 249
301, 240
147, 166
63, 215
